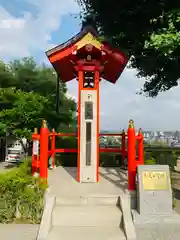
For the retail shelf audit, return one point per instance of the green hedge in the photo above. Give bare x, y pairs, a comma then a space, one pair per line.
21, 196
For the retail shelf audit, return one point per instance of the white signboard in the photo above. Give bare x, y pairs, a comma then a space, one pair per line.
36, 147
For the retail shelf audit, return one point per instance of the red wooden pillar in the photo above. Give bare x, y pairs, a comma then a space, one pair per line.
140, 147
35, 154
123, 146
44, 151
131, 156
53, 146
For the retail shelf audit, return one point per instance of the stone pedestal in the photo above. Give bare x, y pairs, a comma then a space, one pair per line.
153, 187
133, 198
154, 195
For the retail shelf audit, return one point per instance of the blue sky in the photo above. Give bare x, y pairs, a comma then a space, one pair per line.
30, 27
63, 33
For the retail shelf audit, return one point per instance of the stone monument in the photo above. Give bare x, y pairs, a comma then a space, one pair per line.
154, 195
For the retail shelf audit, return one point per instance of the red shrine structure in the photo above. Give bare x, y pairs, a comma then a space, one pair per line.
88, 60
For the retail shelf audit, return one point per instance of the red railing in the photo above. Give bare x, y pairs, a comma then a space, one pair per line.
112, 134
62, 150
63, 134
40, 161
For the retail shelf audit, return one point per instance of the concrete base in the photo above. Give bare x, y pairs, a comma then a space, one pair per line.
86, 216
86, 233
87, 210
141, 219
133, 198
46, 221
105, 200
127, 221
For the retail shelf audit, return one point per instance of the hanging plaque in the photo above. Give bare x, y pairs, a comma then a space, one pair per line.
36, 147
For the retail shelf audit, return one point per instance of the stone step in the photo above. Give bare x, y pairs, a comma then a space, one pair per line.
89, 200
86, 233
86, 216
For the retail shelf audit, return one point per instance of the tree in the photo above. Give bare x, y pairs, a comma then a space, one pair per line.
26, 111
28, 95
28, 76
146, 30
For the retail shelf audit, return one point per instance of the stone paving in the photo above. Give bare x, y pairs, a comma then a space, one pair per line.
89, 210
18, 231
158, 232
62, 182
4, 166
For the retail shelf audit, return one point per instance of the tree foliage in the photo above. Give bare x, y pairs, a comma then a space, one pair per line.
146, 30
28, 95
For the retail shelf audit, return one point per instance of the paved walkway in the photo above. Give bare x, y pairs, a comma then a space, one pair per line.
176, 189
99, 218
4, 166
62, 182
158, 232
18, 231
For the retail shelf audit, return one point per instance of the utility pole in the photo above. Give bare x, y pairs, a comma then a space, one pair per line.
57, 95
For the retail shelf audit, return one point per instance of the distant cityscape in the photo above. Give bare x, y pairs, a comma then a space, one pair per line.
168, 138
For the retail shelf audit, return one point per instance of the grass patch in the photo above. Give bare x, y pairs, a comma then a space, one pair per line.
21, 195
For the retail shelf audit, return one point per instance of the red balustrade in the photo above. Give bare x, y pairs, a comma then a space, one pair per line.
40, 161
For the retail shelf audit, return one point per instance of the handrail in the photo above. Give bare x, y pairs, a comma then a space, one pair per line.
128, 149
63, 134
75, 134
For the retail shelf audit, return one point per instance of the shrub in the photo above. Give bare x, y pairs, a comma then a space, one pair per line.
21, 196
151, 161
66, 159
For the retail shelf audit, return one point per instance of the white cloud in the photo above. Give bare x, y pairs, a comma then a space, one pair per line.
19, 36
119, 103
11, 23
